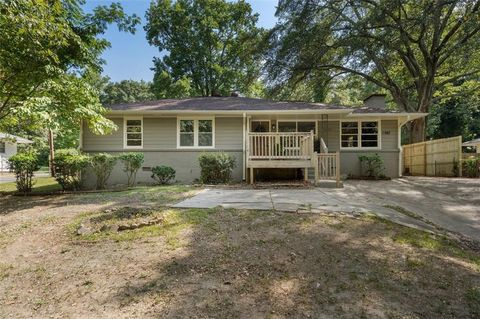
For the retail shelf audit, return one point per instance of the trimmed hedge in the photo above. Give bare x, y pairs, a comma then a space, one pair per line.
23, 165
102, 165
372, 165
216, 168
69, 165
163, 174
132, 162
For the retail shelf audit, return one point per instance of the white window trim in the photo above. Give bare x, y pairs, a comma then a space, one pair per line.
125, 119
359, 133
195, 120
296, 125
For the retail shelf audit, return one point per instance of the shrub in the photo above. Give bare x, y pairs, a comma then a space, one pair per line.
163, 174
68, 165
371, 165
23, 165
216, 168
132, 161
102, 165
471, 167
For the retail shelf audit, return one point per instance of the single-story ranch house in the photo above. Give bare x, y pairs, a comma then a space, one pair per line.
268, 139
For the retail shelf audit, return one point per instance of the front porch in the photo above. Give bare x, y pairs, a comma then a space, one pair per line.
283, 150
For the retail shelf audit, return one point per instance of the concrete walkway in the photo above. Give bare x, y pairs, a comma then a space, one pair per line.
313, 200
450, 203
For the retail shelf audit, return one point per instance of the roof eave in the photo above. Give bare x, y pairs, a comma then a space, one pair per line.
304, 111
411, 116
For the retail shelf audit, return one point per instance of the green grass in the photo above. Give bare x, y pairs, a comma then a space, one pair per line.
42, 184
437, 243
473, 299
175, 221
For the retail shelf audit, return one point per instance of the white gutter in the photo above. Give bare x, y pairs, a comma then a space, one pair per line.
412, 116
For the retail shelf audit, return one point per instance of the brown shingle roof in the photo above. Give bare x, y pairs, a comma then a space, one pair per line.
221, 104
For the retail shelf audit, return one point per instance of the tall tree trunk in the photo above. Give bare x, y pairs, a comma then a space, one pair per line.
52, 152
417, 130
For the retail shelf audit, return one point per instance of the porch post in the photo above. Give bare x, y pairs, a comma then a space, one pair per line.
337, 168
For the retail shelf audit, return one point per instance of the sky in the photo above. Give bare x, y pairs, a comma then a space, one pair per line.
130, 56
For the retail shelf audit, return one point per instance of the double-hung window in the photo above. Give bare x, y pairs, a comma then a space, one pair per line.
195, 133
360, 134
133, 133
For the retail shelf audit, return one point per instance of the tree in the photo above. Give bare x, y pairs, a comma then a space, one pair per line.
210, 46
48, 51
127, 91
453, 116
410, 49
46, 44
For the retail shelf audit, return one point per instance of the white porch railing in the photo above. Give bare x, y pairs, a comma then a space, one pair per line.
278, 146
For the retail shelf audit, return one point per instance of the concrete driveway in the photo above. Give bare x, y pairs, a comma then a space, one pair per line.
453, 204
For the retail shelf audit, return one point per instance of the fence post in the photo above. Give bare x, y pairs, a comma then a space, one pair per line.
460, 158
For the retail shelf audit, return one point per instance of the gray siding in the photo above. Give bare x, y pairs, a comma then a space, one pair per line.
160, 133
160, 148
229, 133
104, 143
349, 162
389, 135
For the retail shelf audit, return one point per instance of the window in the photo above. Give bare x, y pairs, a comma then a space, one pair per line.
260, 126
194, 133
133, 133
2, 147
360, 134
369, 134
297, 126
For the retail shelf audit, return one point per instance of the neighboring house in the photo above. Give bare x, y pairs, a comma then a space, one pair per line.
267, 138
473, 143
8, 147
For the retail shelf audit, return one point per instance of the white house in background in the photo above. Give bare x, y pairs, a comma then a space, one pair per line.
473, 143
8, 147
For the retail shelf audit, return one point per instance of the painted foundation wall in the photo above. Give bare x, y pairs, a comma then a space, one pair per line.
160, 148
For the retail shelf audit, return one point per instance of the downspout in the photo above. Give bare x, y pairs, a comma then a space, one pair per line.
243, 146
400, 148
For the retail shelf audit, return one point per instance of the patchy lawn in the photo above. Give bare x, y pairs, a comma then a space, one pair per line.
42, 185
222, 263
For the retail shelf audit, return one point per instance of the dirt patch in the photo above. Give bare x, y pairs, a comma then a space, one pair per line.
119, 219
228, 263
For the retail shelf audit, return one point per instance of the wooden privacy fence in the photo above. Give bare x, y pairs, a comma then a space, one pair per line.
442, 157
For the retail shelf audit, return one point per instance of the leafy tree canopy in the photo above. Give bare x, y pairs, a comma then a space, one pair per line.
410, 49
48, 49
209, 47
126, 91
